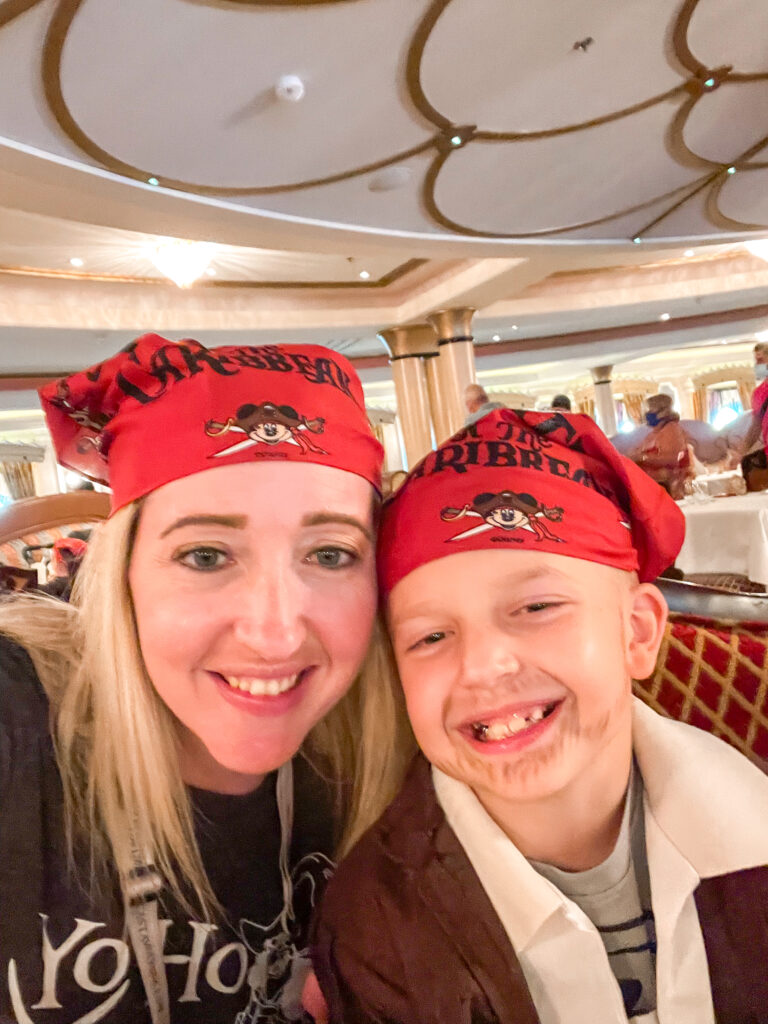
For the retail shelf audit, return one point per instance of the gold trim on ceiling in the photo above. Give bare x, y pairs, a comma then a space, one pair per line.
697, 81
72, 275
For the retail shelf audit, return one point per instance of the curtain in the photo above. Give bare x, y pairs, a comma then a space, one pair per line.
18, 479
634, 407
587, 405
745, 394
699, 400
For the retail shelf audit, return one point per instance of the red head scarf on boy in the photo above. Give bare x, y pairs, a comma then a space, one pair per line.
541, 481
162, 410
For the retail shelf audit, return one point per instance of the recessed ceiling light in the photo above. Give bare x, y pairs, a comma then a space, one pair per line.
364, 275
152, 181
663, 316
637, 239
514, 327
76, 261
290, 88
496, 337
688, 253
731, 170
456, 140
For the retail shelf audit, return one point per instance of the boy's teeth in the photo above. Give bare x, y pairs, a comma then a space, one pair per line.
503, 729
262, 687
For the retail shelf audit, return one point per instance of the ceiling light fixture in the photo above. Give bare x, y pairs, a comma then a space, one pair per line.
496, 337
152, 181
730, 170
637, 239
76, 261
514, 327
663, 316
688, 253
211, 271
181, 261
758, 248
364, 275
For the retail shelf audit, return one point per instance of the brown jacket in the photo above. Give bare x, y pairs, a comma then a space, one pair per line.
407, 935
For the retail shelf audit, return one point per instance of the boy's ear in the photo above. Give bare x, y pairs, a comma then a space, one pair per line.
648, 616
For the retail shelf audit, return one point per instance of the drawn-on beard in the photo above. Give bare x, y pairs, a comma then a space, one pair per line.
517, 774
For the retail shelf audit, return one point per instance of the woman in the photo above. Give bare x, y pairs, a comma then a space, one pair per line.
158, 858
664, 451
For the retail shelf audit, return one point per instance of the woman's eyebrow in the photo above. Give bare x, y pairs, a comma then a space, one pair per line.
233, 522
320, 518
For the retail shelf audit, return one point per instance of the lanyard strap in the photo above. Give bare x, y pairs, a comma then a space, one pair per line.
144, 885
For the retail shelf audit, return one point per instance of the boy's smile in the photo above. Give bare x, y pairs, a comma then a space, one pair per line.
517, 668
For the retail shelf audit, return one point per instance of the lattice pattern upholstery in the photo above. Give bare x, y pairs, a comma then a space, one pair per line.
714, 676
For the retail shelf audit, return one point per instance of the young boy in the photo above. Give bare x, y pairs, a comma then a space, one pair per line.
561, 854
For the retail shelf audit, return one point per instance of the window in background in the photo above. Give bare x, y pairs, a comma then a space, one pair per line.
624, 422
723, 404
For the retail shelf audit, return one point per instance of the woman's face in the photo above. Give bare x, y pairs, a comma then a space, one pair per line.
254, 592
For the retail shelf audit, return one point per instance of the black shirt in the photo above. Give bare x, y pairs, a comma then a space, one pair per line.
64, 957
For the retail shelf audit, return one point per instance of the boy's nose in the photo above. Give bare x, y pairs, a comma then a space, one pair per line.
271, 616
488, 653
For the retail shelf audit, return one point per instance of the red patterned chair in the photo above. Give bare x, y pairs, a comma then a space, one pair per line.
712, 669
38, 522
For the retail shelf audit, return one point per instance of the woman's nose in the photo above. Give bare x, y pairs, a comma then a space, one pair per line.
271, 616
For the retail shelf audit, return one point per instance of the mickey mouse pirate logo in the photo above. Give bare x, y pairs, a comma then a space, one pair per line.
268, 424
507, 511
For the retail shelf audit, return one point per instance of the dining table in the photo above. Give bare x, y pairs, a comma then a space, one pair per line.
727, 533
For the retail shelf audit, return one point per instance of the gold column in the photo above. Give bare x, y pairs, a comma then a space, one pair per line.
406, 345
440, 422
604, 404
456, 364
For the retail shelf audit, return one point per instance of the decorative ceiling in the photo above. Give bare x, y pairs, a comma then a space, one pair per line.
451, 119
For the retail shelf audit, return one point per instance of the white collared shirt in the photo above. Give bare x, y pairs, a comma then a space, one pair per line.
706, 814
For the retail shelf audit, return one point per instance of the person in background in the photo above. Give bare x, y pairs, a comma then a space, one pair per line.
561, 854
561, 402
478, 403
66, 559
754, 458
663, 453
179, 745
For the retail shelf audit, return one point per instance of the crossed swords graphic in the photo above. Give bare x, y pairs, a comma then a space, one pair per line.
448, 515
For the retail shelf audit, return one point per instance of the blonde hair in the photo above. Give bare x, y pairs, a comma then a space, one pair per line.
116, 741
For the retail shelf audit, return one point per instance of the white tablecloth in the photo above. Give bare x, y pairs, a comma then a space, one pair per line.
726, 535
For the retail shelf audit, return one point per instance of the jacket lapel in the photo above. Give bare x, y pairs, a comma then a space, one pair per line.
452, 893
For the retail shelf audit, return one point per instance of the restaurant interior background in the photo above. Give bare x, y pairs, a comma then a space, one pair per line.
591, 180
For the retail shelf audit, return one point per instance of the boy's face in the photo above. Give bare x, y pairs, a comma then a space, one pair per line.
517, 666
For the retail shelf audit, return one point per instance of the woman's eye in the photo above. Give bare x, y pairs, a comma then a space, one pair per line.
333, 558
203, 559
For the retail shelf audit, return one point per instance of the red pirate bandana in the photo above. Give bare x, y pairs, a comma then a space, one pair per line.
544, 481
159, 411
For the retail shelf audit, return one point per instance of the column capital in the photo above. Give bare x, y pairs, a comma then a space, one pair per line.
452, 324
409, 340
601, 374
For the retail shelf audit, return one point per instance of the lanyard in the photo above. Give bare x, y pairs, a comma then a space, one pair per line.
144, 885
